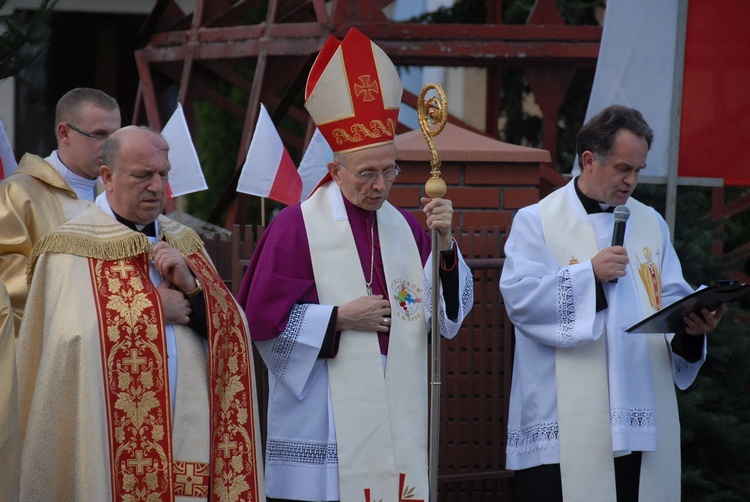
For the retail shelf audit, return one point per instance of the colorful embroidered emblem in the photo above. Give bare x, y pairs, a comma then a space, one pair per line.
650, 275
409, 298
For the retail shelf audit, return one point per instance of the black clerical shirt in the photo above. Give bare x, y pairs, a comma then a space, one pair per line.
198, 321
592, 207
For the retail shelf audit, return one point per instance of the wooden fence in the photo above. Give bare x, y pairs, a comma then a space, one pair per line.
476, 368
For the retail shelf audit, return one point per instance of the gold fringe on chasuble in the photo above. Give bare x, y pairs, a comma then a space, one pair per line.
111, 248
103, 238
183, 239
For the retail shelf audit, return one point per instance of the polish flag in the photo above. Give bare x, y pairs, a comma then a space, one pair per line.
186, 175
269, 170
7, 159
314, 165
684, 64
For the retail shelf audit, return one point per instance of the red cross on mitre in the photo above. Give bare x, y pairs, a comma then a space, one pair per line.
353, 93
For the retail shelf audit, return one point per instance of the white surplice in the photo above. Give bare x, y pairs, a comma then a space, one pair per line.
533, 284
301, 440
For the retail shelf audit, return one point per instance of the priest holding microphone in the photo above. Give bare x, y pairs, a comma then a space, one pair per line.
593, 412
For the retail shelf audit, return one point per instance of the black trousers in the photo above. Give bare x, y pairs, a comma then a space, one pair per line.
544, 484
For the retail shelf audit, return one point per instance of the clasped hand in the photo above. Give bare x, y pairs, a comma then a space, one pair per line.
178, 278
366, 313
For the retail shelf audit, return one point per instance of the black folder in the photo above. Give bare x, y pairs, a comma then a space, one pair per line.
669, 319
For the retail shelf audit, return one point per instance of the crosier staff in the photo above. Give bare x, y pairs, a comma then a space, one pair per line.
433, 115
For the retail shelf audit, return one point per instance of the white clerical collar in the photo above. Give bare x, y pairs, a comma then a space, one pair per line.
103, 204
85, 188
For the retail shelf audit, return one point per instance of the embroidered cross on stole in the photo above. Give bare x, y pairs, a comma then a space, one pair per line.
139, 414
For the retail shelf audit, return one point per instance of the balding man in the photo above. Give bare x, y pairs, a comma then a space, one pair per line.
142, 382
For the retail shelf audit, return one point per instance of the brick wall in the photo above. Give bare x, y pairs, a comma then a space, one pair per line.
484, 194
488, 182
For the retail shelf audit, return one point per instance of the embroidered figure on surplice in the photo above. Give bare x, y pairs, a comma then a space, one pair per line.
651, 277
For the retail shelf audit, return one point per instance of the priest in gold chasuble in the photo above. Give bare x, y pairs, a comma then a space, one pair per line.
10, 448
136, 379
44, 193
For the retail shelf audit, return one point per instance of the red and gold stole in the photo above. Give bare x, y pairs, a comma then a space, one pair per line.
133, 345
236, 459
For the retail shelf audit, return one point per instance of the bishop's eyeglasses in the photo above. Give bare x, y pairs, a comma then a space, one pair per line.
370, 176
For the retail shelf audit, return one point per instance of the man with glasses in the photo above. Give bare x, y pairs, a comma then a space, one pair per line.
45, 193
337, 296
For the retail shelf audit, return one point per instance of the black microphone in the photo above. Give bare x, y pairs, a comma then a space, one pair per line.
622, 213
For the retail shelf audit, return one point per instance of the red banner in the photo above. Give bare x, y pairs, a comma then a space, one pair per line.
715, 128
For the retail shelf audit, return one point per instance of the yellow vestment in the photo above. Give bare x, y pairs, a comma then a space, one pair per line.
10, 448
34, 201
96, 419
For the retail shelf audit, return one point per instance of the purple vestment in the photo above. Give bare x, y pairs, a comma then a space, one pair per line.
280, 273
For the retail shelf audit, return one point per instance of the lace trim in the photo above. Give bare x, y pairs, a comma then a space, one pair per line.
538, 436
643, 419
293, 451
680, 364
427, 294
467, 298
566, 311
544, 435
286, 341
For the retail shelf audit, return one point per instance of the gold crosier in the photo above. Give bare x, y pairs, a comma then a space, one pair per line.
433, 115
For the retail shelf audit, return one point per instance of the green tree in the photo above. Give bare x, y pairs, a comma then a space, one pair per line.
23, 35
715, 410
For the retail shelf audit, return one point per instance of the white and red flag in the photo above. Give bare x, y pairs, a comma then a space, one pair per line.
684, 64
186, 175
8, 163
314, 164
269, 170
